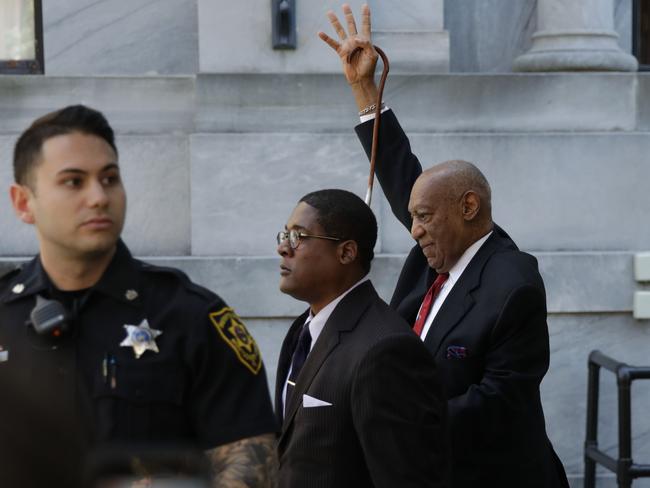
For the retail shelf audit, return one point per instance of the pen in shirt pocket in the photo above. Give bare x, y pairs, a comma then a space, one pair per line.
109, 370
112, 366
105, 368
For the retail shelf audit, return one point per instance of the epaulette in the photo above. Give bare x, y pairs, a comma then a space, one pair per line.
6, 276
8, 273
183, 279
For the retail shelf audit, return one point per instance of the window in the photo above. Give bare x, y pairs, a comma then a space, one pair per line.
21, 37
641, 33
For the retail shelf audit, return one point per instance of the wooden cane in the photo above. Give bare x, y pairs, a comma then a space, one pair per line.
375, 127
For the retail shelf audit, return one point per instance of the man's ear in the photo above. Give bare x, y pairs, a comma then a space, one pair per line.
348, 252
470, 205
21, 196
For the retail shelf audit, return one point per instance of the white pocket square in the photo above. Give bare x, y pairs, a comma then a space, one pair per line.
310, 401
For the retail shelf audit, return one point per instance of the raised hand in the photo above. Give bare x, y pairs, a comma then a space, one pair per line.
358, 56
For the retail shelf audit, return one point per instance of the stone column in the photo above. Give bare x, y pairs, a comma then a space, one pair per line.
575, 35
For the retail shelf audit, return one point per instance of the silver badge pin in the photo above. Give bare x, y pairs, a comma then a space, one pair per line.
19, 288
141, 338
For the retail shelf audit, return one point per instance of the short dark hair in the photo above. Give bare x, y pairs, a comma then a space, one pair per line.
344, 215
74, 118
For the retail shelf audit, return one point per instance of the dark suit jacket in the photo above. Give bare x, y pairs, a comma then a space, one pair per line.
489, 341
386, 426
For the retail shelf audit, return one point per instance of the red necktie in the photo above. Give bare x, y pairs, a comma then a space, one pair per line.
428, 301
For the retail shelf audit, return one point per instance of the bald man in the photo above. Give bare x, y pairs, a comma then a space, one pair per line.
476, 301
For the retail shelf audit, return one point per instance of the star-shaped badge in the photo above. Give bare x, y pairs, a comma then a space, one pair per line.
141, 338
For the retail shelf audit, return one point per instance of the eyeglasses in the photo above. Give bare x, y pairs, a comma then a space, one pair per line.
295, 236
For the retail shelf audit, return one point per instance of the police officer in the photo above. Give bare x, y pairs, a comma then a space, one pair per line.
106, 348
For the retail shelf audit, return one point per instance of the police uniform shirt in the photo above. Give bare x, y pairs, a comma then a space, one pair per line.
151, 357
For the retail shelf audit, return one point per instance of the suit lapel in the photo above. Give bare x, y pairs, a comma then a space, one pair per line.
460, 299
344, 318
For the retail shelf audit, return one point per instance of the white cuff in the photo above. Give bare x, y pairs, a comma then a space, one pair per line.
366, 118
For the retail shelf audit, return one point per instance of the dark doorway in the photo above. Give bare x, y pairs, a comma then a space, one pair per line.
641, 33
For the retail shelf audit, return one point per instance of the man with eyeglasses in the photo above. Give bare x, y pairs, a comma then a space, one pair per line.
357, 393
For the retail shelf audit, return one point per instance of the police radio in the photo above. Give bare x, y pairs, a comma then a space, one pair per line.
49, 318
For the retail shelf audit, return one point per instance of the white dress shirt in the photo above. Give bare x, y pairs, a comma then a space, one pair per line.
316, 325
454, 274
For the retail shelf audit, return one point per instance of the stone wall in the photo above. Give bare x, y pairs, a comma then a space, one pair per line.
214, 162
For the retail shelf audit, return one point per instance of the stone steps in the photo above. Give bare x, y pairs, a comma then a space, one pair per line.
199, 194
557, 102
583, 282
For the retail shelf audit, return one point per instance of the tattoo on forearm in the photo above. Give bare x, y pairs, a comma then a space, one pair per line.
247, 463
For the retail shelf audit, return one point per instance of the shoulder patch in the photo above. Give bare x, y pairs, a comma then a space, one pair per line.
234, 333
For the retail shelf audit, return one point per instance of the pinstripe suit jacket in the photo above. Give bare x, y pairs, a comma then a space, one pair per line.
386, 425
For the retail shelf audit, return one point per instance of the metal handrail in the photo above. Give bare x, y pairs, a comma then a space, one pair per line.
623, 466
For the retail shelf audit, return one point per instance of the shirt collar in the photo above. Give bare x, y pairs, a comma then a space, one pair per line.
317, 322
458, 268
120, 280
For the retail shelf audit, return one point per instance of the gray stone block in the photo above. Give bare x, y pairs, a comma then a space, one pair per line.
413, 15
575, 282
415, 52
245, 186
572, 192
588, 281
427, 103
323, 103
120, 37
156, 177
140, 105
553, 192
495, 103
254, 53
273, 103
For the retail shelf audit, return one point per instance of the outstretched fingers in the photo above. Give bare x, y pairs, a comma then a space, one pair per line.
334, 20
365, 20
331, 42
349, 17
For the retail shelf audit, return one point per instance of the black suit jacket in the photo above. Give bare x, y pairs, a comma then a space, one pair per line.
386, 426
489, 340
